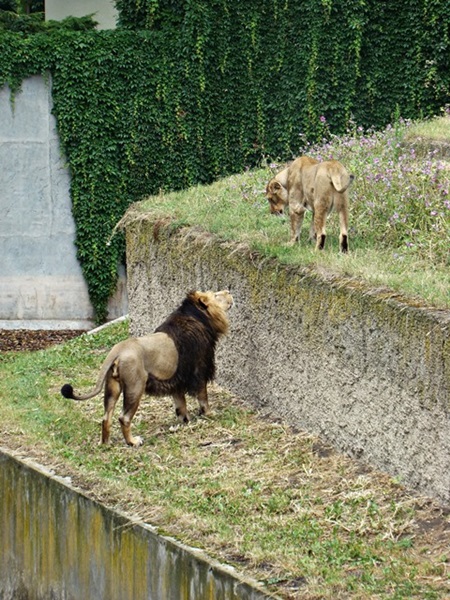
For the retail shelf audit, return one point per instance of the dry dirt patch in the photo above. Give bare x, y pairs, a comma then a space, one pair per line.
26, 339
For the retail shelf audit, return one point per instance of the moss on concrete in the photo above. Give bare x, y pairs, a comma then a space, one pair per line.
364, 367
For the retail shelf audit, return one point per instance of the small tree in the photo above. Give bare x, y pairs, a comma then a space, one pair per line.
23, 7
9, 5
31, 6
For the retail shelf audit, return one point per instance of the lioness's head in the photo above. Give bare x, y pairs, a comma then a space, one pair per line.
277, 196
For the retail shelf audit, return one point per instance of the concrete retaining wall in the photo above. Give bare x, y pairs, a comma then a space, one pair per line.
104, 11
58, 544
361, 368
41, 282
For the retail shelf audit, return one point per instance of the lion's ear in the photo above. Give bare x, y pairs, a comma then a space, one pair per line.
202, 299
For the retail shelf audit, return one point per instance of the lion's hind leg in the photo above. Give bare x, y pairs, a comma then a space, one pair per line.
131, 398
112, 393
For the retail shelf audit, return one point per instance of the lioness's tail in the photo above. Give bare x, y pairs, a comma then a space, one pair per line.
341, 179
68, 392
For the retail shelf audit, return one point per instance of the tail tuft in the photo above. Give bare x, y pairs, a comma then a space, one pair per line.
67, 391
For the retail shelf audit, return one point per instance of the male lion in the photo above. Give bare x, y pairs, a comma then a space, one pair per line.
176, 359
321, 187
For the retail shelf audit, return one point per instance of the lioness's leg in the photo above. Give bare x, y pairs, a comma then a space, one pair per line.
179, 401
296, 215
320, 216
312, 231
131, 399
112, 393
343, 219
202, 397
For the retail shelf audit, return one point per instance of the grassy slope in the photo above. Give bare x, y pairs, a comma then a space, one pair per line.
275, 502
434, 130
399, 215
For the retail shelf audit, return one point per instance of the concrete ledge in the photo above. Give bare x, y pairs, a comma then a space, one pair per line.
49, 325
57, 543
57, 325
361, 367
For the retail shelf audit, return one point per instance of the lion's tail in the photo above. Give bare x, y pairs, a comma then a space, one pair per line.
341, 179
68, 392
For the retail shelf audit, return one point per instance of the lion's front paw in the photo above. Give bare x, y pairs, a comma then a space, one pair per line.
182, 417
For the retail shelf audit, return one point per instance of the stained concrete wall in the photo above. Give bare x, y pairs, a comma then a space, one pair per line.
57, 543
41, 282
368, 372
104, 11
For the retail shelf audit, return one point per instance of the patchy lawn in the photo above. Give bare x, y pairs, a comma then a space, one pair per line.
279, 504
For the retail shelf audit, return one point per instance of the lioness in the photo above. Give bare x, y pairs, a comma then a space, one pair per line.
321, 187
176, 359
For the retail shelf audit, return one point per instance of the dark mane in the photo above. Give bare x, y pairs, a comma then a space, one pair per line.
195, 338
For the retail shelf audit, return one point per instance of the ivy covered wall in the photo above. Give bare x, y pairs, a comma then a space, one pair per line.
185, 91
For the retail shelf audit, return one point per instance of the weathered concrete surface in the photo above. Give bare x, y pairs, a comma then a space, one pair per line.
57, 543
40, 278
362, 369
104, 11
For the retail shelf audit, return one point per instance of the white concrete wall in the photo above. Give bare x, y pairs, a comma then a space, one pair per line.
41, 282
104, 11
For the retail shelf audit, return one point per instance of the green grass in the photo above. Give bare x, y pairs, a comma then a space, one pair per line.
274, 502
437, 129
399, 215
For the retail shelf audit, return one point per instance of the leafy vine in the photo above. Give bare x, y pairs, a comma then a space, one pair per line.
184, 92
